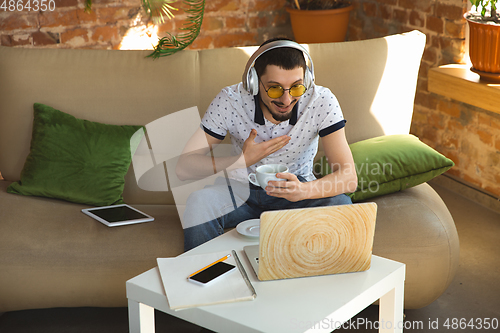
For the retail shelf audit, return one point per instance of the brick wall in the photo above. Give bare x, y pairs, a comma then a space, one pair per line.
122, 24
468, 135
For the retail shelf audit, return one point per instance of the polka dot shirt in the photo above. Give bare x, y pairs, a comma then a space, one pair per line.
237, 112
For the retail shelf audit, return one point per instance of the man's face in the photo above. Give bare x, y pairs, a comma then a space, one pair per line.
280, 109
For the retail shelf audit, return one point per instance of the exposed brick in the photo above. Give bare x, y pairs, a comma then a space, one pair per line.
385, 12
75, 37
59, 18
449, 108
45, 38
202, 42
66, 3
434, 24
257, 22
212, 23
450, 143
488, 120
15, 40
240, 39
235, 22
436, 120
388, 2
454, 125
5, 40
105, 34
419, 116
430, 55
370, 9
454, 30
85, 17
420, 5
113, 14
354, 33
221, 5
265, 5
416, 19
280, 19
423, 70
380, 28
167, 26
15, 21
426, 100
400, 15
429, 136
450, 12
485, 137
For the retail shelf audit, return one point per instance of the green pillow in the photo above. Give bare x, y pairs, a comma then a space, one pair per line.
76, 160
392, 163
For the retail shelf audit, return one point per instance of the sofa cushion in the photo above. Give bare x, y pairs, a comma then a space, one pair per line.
75, 160
392, 163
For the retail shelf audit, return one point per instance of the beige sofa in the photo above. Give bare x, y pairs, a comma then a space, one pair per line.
52, 255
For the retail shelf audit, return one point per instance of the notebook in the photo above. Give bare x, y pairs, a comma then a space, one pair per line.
182, 294
314, 241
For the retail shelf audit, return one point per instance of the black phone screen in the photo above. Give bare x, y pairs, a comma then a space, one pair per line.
212, 272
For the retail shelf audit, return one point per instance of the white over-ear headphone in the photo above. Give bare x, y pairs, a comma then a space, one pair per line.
250, 78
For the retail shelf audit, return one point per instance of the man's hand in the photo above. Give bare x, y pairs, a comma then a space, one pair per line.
292, 189
254, 152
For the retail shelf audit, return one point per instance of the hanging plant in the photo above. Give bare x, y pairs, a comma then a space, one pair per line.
191, 28
158, 10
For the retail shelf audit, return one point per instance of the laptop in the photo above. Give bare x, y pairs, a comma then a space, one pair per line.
314, 241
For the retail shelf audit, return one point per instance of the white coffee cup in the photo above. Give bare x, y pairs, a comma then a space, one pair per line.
265, 173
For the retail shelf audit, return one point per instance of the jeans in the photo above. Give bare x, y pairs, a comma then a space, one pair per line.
226, 209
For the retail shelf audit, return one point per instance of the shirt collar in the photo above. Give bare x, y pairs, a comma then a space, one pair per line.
259, 116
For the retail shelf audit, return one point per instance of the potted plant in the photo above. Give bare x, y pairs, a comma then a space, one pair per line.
319, 21
484, 38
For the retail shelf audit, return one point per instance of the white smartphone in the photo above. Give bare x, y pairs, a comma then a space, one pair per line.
212, 273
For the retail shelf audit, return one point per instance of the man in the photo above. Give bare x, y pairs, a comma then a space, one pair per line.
274, 116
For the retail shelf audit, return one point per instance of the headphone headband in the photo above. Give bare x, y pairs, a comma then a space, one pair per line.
249, 80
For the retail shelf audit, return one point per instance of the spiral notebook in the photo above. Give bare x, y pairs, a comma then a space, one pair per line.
314, 241
182, 294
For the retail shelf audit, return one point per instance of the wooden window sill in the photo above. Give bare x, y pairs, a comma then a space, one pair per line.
459, 83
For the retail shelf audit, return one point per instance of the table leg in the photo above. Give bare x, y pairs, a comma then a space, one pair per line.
391, 310
141, 317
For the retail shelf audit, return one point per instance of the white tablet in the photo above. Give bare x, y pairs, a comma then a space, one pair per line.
116, 215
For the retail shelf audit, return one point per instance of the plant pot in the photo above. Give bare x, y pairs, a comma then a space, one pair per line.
320, 26
484, 47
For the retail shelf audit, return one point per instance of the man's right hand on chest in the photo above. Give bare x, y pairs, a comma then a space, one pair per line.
253, 152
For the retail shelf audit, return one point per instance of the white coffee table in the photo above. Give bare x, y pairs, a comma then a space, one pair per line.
313, 304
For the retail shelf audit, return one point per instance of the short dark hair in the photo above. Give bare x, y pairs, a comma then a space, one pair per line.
284, 57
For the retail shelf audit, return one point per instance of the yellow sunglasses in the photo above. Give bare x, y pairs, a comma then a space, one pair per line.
277, 91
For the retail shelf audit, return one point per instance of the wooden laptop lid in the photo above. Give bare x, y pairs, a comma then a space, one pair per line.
316, 241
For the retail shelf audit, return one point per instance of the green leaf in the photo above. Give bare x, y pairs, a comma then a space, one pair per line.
88, 6
190, 30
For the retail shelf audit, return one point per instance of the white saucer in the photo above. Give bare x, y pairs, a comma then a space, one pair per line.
249, 228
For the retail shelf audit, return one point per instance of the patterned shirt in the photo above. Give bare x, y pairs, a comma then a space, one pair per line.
316, 114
